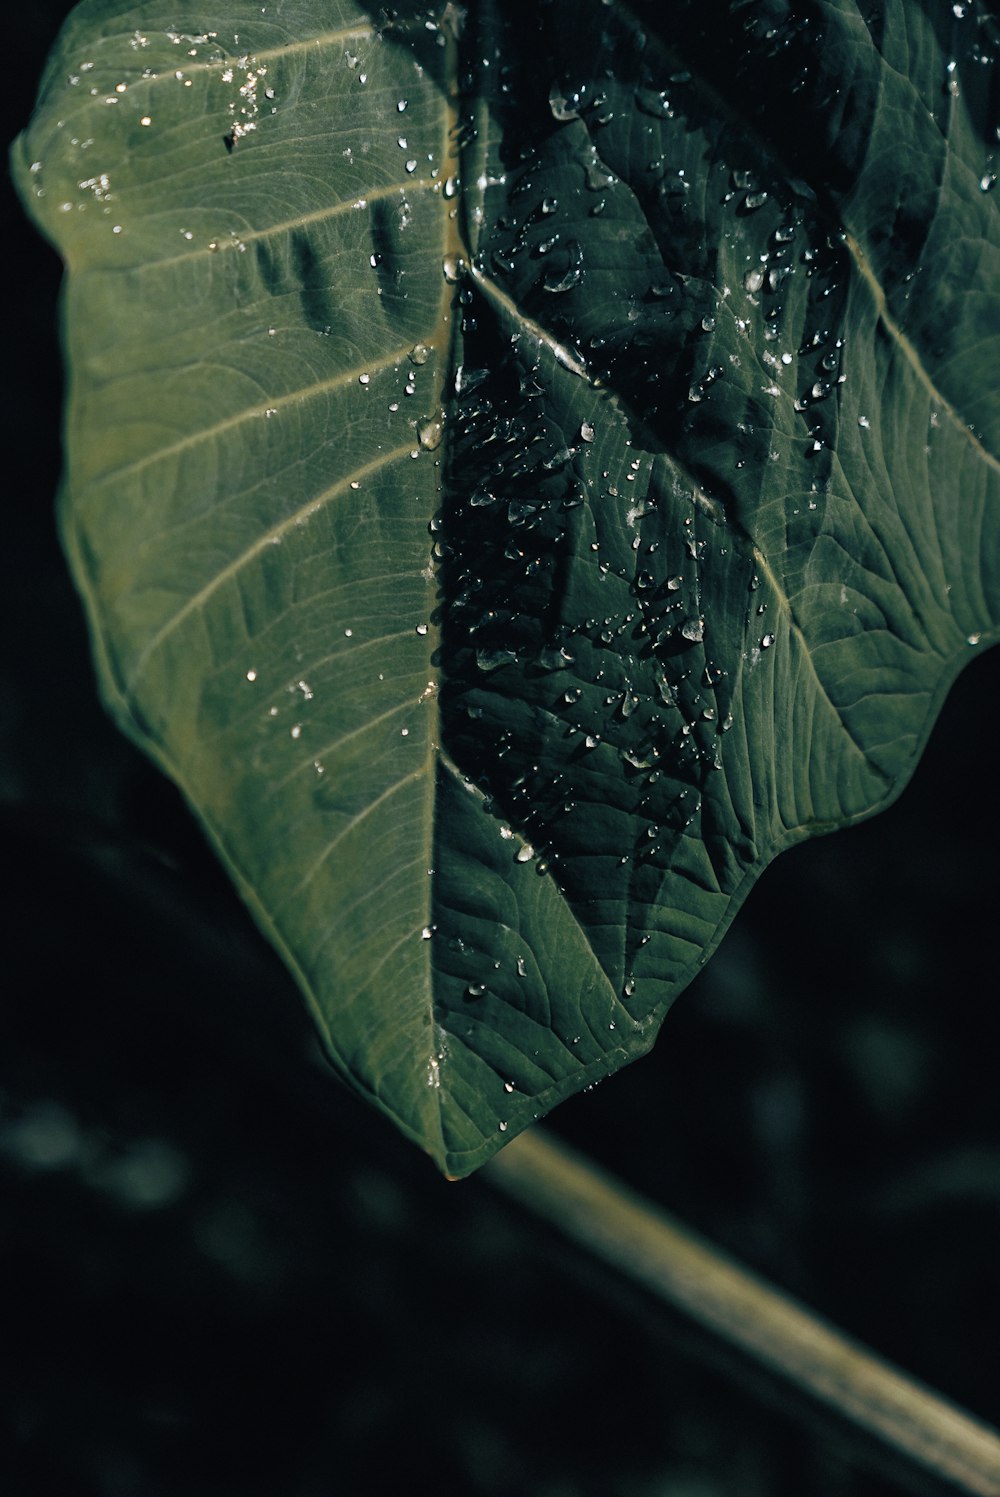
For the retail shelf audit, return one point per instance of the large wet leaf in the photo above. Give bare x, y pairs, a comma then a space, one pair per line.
524, 470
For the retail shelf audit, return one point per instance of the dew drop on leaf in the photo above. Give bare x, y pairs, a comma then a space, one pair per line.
564, 105
430, 432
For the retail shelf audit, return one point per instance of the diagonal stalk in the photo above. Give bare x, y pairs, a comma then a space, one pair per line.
644, 1243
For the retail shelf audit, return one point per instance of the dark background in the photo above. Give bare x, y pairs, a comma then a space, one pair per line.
222, 1274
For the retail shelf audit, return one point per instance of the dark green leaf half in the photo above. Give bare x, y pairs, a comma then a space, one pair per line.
525, 468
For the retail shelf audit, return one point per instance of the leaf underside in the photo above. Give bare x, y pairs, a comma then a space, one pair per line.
523, 471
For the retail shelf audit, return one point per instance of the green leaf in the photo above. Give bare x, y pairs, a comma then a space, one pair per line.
524, 470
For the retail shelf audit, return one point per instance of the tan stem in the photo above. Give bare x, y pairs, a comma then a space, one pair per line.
639, 1239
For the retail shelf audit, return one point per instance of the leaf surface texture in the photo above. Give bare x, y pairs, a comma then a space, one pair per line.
523, 472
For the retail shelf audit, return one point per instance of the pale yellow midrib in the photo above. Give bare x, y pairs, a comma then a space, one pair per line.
444, 343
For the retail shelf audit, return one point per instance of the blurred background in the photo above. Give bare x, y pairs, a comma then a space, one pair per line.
224, 1275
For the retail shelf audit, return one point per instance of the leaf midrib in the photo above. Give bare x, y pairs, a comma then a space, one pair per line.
445, 341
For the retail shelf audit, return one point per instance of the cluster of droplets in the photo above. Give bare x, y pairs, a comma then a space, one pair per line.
132, 97
638, 695
244, 107
634, 694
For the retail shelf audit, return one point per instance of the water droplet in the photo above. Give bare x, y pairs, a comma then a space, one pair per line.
653, 103
430, 432
524, 853
767, 641
598, 177
564, 105
491, 660
475, 990
570, 275
693, 629
554, 659
556, 281
754, 279
586, 432
364, 379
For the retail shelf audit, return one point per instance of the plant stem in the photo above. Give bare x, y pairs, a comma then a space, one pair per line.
642, 1241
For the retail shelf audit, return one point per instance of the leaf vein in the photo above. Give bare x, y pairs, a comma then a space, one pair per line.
357, 820
268, 538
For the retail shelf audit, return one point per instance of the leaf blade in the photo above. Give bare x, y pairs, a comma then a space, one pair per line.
698, 468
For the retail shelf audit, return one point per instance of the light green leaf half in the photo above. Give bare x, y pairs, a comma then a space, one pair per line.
525, 468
